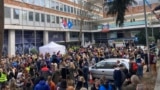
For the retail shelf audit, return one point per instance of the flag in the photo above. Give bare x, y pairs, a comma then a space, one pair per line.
70, 24
64, 23
147, 2
105, 28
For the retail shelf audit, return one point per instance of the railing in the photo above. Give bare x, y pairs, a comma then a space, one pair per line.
126, 24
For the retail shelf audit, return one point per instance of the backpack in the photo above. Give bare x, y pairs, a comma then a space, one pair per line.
134, 66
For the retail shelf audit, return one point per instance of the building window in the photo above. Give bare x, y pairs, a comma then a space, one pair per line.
61, 7
75, 11
7, 12
57, 6
30, 1
25, 1
24, 15
53, 5
48, 18
42, 18
37, 17
53, 19
30, 16
71, 9
65, 8
16, 13
47, 3
42, 3
78, 11
75, 22
37, 2
57, 20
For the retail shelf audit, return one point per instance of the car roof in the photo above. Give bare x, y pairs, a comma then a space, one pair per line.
115, 60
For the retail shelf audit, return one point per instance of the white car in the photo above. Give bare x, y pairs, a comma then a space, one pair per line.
106, 67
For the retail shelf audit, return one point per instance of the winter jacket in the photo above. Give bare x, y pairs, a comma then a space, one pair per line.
42, 86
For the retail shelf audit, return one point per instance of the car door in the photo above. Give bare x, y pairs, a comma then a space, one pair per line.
98, 70
108, 71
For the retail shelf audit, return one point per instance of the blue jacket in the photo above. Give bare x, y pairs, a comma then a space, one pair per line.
42, 86
102, 87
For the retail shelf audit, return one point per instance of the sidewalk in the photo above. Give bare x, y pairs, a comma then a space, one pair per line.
157, 85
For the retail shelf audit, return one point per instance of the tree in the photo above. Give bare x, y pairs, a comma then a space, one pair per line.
1, 26
118, 8
86, 12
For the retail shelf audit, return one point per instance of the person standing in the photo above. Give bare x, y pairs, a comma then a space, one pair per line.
140, 63
117, 76
42, 85
3, 79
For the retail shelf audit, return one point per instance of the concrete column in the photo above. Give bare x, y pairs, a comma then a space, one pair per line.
93, 41
83, 39
45, 37
67, 36
11, 42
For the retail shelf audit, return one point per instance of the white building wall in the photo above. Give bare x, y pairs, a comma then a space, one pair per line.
45, 37
11, 42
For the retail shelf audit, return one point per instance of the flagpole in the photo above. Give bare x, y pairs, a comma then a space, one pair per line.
146, 32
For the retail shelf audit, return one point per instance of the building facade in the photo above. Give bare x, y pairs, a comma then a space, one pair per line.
33, 23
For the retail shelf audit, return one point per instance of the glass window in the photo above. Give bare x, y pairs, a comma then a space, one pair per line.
24, 15
100, 65
75, 11
48, 18
16, 13
36, 2
42, 18
71, 9
57, 6
61, 7
57, 20
75, 22
53, 5
47, 3
78, 11
53, 19
37, 17
65, 8
7, 12
42, 3
30, 1
110, 65
25, 1
30, 16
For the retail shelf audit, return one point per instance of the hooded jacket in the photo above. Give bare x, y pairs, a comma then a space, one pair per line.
42, 86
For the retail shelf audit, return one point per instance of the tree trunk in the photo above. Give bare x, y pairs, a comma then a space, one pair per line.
80, 32
1, 26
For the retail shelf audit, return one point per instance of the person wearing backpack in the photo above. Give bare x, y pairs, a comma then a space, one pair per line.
133, 67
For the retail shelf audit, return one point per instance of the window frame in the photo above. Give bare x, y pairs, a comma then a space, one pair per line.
18, 13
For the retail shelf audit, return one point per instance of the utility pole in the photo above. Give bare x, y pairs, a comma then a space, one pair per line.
1, 26
146, 32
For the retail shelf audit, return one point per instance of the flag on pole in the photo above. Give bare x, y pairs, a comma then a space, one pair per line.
70, 24
105, 28
64, 23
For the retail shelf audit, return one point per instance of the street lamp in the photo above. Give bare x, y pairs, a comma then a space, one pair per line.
146, 32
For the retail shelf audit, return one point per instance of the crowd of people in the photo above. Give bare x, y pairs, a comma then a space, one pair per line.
71, 71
